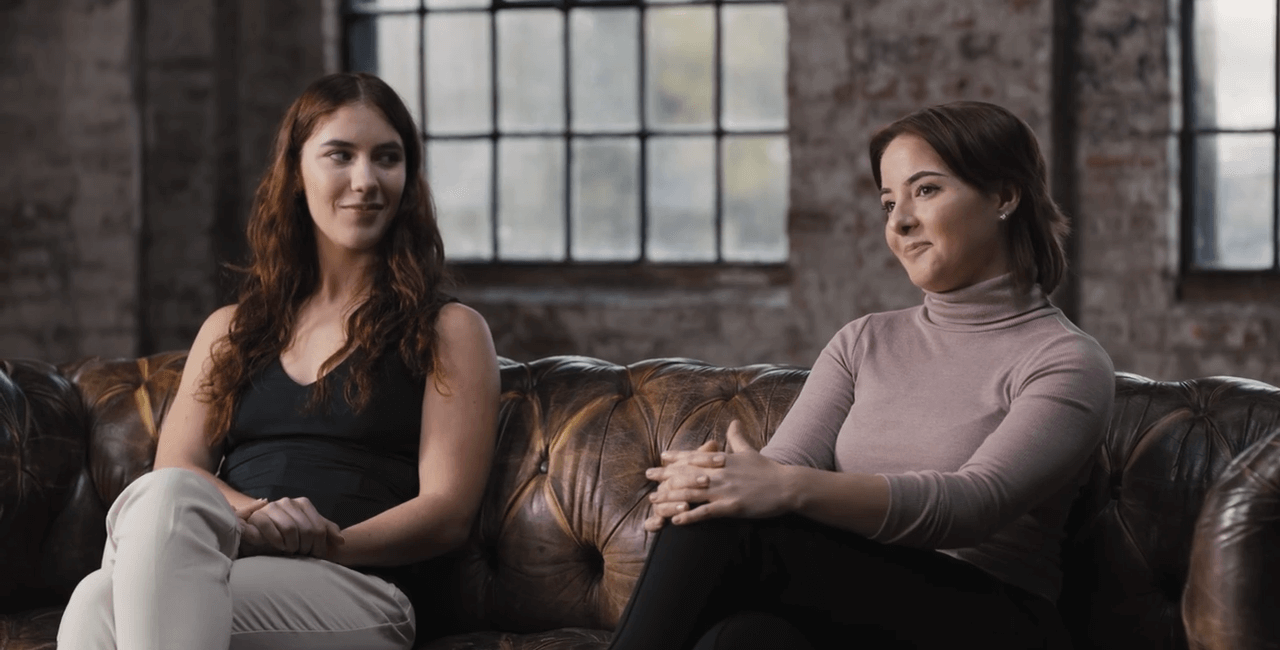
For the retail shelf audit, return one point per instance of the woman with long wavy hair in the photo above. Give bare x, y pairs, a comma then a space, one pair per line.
336, 423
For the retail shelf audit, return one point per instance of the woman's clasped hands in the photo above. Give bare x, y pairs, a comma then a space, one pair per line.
286, 527
708, 483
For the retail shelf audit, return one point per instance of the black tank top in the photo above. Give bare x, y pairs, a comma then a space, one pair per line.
351, 466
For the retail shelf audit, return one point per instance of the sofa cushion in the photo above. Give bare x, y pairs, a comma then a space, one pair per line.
1129, 539
560, 539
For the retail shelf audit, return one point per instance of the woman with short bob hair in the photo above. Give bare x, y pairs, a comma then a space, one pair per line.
988, 146
916, 492
334, 425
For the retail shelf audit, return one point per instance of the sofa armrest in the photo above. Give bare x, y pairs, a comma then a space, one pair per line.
43, 443
1233, 582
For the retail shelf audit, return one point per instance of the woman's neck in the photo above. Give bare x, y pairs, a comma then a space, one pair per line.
344, 277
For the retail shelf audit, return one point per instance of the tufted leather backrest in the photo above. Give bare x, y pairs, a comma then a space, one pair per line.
1129, 539
559, 539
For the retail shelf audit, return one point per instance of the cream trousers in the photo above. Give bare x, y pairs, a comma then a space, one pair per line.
170, 579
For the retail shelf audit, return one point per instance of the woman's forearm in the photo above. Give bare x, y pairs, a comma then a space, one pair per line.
855, 502
418, 529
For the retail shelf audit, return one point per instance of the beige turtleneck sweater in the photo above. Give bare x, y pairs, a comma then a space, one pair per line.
982, 408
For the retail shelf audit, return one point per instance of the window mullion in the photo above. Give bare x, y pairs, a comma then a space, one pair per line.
494, 194
1275, 158
643, 172
717, 95
568, 141
1187, 136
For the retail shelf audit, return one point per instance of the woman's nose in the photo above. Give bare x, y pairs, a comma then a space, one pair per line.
363, 178
902, 221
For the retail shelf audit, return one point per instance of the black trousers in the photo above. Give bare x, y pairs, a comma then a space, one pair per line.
790, 582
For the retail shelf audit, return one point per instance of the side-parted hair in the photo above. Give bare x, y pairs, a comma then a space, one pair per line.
409, 276
987, 147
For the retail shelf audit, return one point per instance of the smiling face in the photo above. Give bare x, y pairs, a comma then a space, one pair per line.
353, 173
947, 234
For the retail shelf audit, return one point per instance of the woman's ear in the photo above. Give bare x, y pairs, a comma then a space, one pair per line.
1009, 195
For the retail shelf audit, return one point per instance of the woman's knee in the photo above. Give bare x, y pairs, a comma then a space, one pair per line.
89, 618
173, 502
169, 489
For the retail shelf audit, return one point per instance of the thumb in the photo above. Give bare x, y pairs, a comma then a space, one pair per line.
334, 533
244, 511
738, 442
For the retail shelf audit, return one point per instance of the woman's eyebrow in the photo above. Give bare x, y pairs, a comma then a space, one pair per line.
915, 177
343, 143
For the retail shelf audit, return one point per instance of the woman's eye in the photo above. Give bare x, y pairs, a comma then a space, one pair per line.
926, 190
887, 206
340, 156
389, 159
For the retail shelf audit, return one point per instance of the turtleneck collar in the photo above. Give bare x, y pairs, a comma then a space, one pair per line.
987, 305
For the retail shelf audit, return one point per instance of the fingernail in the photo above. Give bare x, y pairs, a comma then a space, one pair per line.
681, 507
667, 454
702, 480
719, 458
653, 496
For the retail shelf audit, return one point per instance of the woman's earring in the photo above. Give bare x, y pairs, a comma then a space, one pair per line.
1004, 215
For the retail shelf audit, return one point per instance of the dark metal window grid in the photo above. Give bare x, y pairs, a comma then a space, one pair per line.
353, 13
1190, 130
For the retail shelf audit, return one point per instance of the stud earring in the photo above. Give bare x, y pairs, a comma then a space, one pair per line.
1004, 215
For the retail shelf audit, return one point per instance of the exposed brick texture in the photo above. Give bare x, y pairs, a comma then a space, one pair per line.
68, 179
1127, 173
114, 201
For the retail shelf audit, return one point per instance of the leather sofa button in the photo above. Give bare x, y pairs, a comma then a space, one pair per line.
542, 468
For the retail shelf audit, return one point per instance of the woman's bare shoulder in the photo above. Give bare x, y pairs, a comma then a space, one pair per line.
457, 320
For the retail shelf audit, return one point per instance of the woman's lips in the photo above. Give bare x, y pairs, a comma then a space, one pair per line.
915, 247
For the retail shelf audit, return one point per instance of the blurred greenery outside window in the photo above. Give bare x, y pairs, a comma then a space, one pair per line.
1227, 136
603, 131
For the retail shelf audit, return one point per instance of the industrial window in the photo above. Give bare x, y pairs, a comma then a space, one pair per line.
1228, 145
606, 131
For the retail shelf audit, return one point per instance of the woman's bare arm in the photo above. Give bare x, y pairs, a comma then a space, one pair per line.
459, 427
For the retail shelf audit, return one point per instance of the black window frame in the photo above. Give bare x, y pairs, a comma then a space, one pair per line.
1205, 282
635, 271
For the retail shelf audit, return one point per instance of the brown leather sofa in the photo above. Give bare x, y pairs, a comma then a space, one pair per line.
1169, 540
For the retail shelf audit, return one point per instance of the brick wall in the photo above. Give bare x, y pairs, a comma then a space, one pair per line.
1127, 171
133, 134
68, 180
114, 199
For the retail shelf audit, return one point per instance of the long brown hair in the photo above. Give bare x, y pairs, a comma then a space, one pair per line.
408, 279
987, 146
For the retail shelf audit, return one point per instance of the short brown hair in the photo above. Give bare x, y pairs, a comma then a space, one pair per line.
987, 146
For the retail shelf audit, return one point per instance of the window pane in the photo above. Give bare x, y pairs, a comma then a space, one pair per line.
679, 72
1235, 62
379, 45
755, 198
681, 197
606, 199
458, 67
461, 177
531, 199
383, 5
1234, 201
755, 67
606, 69
454, 4
531, 70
